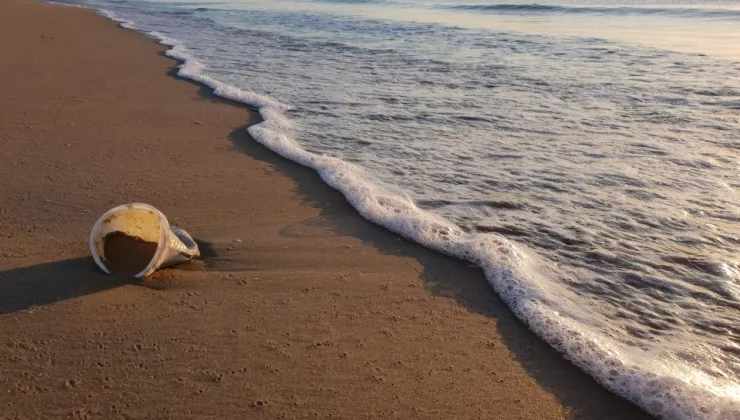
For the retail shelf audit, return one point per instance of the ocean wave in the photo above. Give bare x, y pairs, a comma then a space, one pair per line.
358, 1
612, 11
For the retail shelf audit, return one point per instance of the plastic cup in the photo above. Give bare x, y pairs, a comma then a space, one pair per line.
139, 220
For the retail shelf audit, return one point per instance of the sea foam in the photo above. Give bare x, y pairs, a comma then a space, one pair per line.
660, 383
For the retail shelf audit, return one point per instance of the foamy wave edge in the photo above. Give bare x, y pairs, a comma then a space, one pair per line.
507, 266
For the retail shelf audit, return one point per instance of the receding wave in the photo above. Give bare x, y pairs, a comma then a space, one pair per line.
612, 11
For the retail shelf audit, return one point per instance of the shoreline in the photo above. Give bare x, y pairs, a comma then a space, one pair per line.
354, 308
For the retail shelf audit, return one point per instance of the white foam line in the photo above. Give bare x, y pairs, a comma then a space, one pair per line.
664, 389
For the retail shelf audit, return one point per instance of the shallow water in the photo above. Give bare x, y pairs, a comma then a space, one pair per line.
585, 154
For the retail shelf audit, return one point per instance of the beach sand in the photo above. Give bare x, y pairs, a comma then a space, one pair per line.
299, 309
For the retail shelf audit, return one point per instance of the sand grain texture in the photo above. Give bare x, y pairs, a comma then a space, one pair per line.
305, 310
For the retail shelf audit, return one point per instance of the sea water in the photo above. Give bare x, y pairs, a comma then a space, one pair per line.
585, 154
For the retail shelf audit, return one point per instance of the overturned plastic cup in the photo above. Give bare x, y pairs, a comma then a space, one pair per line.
136, 239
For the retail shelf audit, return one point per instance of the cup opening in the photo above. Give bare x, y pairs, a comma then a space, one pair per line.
127, 255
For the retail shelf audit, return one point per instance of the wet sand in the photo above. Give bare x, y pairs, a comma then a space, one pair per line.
299, 309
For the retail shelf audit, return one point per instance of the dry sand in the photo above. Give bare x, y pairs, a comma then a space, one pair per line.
300, 309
